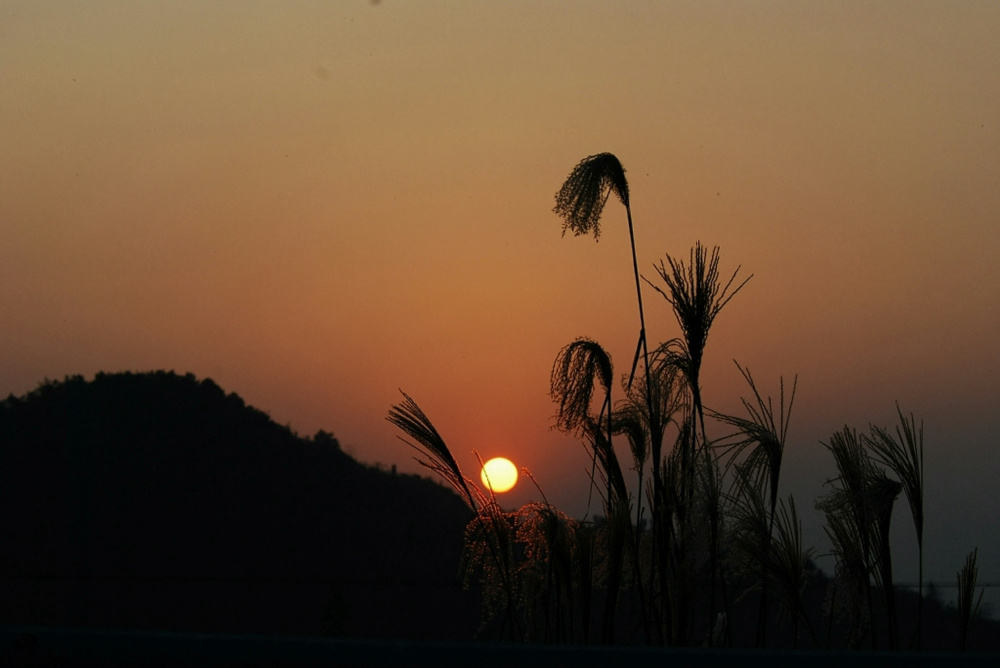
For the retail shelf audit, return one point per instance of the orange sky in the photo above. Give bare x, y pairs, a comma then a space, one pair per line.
316, 204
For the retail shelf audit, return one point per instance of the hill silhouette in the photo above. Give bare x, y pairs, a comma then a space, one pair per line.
158, 501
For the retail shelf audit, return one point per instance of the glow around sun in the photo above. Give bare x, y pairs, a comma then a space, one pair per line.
499, 474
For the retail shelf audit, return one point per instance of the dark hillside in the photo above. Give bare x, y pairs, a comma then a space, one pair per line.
157, 501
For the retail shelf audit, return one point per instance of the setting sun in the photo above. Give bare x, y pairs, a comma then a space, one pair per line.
499, 474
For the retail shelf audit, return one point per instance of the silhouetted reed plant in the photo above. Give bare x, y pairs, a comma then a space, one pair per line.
705, 531
968, 604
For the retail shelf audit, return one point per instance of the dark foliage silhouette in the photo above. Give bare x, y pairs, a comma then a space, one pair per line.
158, 501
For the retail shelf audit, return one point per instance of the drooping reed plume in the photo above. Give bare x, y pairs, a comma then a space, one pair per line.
578, 369
761, 436
882, 498
848, 517
645, 425
580, 201
851, 588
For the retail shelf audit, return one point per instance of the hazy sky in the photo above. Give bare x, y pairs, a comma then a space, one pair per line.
319, 203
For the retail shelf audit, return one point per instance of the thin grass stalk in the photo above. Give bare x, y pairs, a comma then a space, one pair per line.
645, 432
866, 495
833, 607
584, 571
713, 508
968, 605
617, 514
697, 295
852, 570
669, 541
850, 515
763, 438
749, 529
580, 202
883, 496
904, 455
629, 422
788, 559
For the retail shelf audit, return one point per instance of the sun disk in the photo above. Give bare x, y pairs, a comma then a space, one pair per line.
499, 474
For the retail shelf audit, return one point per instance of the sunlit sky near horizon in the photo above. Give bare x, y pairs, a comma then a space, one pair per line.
317, 204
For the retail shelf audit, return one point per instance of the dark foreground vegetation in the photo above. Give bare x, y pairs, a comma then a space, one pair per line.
68, 648
157, 501
703, 551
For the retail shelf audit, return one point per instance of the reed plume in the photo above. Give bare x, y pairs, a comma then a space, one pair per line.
572, 381
580, 201
697, 295
408, 417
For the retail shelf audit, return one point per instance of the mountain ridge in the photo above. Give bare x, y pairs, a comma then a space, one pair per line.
158, 501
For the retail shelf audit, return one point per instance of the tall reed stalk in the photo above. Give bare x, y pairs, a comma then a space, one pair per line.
580, 202
859, 513
578, 368
904, 455
760, 441
696, 294
968, 604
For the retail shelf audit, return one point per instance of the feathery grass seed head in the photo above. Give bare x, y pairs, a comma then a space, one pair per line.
581, 199
576, 368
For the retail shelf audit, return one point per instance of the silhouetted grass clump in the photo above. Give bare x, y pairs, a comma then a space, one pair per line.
705, 551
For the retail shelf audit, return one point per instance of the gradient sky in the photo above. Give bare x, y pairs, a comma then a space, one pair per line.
317, 204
